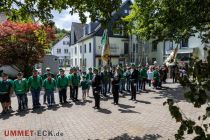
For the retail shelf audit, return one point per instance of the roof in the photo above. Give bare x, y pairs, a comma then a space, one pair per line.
76, 32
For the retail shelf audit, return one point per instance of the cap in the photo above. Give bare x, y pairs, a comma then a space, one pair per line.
20, 74
47, 68
35, 70
4, 74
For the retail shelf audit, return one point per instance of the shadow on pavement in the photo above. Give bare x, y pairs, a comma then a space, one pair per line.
127, 111
39, 110
68, 105
145, 137
105, 111
140, 101
6, 116
54, 107
125, 106
22, 113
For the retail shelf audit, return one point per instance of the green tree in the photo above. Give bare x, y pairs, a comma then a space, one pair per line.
41, 9
176, 20
24, 44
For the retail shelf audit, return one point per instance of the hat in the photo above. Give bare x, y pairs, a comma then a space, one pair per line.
47, 68
60, 69
35, 70
20, 74
4, 74
89, 68
95, 69
133, 65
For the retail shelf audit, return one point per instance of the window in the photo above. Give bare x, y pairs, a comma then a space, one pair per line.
154, 46
134, 48
85, 48
137, 48
64, 42
85, 62
66, 51
75, 50
153, 60
99, 62
75, 61
114, 49
58, 51
184, 43
118, 30
81, 62
126, 46
89, 47
126, 11
80, 49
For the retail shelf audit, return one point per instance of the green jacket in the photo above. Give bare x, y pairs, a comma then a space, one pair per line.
84, 84
156, 75
49, 85
69, 78
75, 79
35, 83
62, 82
20, 87
5, 87
143, 73
89, 76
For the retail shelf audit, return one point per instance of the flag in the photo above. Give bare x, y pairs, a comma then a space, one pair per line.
172, 57
105, 48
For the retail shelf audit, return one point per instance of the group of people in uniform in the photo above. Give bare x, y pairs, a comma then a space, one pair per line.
102, 81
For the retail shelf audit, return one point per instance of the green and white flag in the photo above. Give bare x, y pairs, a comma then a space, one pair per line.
105, 47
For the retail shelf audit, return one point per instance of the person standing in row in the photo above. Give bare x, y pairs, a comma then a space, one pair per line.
116, 85
150, 75
143, 73
70, 84
75, 80
5, 91
84, 84
35, 85
62, 84
21, 88
96, 84
49, 85
45, 75
89, 77
134, 79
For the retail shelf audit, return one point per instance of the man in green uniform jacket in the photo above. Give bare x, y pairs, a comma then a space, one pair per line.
35, 85
75, 80
143, 74
49, 85
21, 88
62, 84
5, 91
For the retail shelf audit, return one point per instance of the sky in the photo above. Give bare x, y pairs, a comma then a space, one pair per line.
63, 20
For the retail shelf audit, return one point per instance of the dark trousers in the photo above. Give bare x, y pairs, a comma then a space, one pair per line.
71, 92
105, 89
115, 91
143, 84
50, 97
75, 92
138, 85
62, 95
21, 101
35, 97
149, 82
96, 94
133, 91
109, 87
45, 98
128, 84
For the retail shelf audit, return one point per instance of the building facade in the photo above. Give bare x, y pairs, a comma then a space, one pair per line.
62, 50
86, 48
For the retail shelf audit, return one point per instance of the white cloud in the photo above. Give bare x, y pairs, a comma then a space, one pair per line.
64, 19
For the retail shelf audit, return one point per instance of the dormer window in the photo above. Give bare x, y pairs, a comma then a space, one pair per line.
126, 11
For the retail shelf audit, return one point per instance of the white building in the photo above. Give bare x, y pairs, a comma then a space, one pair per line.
86, 46
192, 47
62, 50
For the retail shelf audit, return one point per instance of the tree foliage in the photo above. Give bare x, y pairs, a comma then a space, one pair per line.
98, 9
23, 44
176, 20
170, 19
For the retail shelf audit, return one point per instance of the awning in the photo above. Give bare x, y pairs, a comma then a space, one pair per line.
181, 51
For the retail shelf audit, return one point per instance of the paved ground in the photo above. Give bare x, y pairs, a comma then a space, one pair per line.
144, 119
